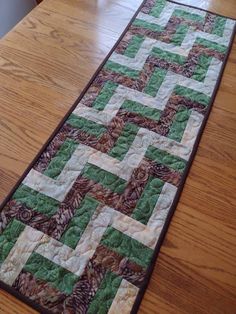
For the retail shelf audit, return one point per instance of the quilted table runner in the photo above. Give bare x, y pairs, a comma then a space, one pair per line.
81, 231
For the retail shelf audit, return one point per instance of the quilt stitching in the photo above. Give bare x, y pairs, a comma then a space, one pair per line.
79, 233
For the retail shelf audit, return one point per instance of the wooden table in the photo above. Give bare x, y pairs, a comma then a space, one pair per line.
45, 62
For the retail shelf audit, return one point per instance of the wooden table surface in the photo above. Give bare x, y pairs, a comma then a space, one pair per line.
45, 62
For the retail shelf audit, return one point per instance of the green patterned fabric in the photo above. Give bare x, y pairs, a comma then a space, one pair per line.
81, 230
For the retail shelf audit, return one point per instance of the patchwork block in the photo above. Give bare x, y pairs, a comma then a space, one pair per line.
79, 233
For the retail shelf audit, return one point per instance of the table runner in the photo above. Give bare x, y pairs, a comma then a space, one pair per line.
80, 233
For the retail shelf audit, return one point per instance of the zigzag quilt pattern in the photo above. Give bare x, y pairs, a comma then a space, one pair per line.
79, 233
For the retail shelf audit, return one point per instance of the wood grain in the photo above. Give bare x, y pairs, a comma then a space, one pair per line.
45, 62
